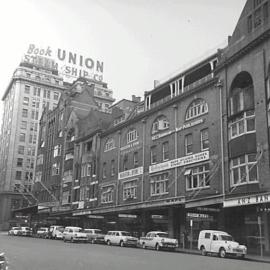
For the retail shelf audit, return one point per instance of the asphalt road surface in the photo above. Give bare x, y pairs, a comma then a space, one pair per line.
27, 253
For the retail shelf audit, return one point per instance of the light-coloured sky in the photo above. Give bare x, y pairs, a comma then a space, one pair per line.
138, 40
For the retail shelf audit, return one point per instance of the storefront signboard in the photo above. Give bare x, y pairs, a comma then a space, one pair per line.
198, 157
130, 173
82, 212
127, 216
190, 124
161, 135
248, 200
130, 145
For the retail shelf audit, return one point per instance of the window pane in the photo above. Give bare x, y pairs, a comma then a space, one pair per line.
243, 174
252, 173
241, 127
251, 124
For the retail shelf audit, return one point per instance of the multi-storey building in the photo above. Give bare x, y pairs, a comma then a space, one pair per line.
33, 87
193, 155
57, 174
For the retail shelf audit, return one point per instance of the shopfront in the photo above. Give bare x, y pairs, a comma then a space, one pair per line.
247, 218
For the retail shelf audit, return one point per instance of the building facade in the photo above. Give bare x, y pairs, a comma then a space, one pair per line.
32, 88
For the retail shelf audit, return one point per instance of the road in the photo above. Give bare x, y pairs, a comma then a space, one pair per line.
27, 253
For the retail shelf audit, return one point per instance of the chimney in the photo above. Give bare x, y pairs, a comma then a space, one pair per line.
156, 83
136, 99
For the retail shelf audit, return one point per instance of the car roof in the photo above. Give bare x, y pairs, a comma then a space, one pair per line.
73, 227
157, 232
214, 231
119, 231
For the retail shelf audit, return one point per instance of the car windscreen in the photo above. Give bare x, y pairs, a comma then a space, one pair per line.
78, 230
60, 229
162, 234
126, 234
97, 231
225, 237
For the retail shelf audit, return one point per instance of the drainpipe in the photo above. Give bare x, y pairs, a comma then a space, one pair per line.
143, 159
118, 168
220, 87
175, 148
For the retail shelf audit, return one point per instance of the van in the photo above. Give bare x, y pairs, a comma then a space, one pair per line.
221, 243
56, 232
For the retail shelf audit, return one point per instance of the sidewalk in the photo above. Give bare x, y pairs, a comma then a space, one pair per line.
249, 257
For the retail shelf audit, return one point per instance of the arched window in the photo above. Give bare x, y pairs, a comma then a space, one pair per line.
161, 123
196, 108
109, 145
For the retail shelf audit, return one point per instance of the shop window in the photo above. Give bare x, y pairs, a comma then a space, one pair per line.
153, 154
130, 190
132, 136
159, 184
107, 194
242, 124
188, 144
109, 145
197, 108
243, 170
197, 177
165, 151
160, 124
204, 139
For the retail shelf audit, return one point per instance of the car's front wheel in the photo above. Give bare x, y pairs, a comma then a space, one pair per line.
143, 246
122, 244
157, 246
108, 242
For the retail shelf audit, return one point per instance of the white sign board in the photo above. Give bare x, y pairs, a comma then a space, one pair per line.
248, 200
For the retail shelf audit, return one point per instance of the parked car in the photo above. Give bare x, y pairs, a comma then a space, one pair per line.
94, 236
3, 262
25, 231
220, 243
14, 231
121, 238
158, 240
43, 232
74, 234
56, 232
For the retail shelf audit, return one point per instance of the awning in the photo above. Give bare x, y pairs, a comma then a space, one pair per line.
27, 210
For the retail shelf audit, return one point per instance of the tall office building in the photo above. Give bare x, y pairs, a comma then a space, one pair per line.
33, 87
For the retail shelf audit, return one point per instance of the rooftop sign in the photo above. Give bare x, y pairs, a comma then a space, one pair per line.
69, 64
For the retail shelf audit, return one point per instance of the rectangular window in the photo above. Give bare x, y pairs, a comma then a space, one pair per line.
188, 144
88, 169
159, 184
104, 173
26, 101
153, 154
23, 125
19, 162
22, 137
197, 177
113, 167
257, 17
130, 190
39, 159
21, 149
204, 139
55, 95
28, 176
27, 89
249, 23
136, 159
18, 175
55, 168
165, 151
265, 11
24, 113
125, 162
132, 136
243, 170
57, 150
107, 194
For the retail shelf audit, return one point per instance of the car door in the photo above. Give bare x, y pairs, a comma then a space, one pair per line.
207, 239
214, 243
116, 238
151, 240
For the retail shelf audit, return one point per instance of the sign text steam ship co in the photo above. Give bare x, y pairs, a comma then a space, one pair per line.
70, 64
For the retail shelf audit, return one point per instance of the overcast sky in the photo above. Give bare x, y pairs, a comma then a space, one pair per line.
139, 41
